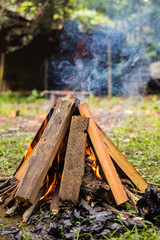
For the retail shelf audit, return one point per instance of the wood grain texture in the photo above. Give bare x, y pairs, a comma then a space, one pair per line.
21, 170
104, 158
123, 163
45, 151
74, 165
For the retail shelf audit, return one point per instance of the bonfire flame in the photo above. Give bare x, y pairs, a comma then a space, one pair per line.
57, 176
91, 155
37, 138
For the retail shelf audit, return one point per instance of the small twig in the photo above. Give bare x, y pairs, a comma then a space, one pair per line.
5, 188
11, 210
135, 190
7, 191
114, 210
11, 197
154, 184
4, 183
54, 206
125, 181
132, 197
3, 179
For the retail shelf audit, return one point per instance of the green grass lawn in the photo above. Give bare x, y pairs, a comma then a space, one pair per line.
133, 124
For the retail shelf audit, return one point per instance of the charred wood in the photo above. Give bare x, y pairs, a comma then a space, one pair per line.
94, 188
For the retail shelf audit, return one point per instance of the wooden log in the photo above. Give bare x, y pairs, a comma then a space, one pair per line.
45, 151
20, 171
123, 163
74, 165
104, 158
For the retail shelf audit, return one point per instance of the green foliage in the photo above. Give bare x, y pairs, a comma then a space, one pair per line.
28, 7
11, 97
137, 19
88, 18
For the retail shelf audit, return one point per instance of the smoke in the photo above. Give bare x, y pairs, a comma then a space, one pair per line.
85, 59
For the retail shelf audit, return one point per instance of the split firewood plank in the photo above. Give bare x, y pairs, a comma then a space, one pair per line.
74, 165
21, 170
45, 151
123, 163
104, 158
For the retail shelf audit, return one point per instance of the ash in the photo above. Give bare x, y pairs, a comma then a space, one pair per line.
81, 221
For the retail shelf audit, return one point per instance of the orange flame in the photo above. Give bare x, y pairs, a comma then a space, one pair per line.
27, 152
36, 139
95, 167
50, 189
43, 127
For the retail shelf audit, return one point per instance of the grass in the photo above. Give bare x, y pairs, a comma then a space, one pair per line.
135, 132
27, 105
11, 152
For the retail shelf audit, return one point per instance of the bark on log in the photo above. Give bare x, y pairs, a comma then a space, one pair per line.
74, 165
123, 163
45, 151
104, 158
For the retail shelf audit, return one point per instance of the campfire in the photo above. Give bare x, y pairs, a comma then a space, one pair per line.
71, 161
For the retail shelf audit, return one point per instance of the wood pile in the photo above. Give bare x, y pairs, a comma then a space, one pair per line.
71, 158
